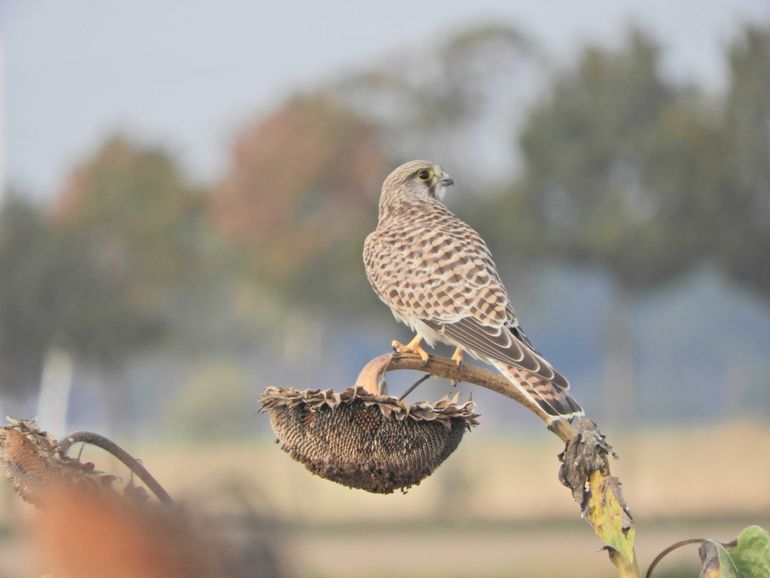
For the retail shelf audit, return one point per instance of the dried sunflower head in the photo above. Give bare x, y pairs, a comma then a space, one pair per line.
362, 440
34, 462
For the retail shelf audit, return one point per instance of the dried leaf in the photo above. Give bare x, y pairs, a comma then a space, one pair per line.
715, 561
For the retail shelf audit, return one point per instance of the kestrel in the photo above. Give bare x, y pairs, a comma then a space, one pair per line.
437, 276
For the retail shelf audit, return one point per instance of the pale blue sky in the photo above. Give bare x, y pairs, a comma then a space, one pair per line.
186, 73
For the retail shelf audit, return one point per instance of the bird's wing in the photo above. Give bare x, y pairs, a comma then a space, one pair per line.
498, 344
435, 268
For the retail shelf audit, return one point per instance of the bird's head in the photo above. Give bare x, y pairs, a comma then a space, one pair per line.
415, 180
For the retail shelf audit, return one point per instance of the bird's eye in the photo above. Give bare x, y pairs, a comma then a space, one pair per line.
424, 175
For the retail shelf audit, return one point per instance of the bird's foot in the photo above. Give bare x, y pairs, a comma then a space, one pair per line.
412, 347
457, 357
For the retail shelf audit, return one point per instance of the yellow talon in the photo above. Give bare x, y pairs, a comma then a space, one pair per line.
412, 347
457, 357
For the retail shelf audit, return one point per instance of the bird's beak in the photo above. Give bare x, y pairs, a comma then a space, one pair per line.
446, 181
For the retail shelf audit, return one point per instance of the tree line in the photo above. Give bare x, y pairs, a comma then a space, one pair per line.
603, 161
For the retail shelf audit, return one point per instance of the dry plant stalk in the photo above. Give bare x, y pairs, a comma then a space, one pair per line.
585, 462
109, 446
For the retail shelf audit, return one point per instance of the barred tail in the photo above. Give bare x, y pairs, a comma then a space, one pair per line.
553, 399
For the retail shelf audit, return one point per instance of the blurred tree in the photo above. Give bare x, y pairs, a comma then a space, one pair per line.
98, 318
27, 295
299, 197
54, 297
143, 221
130, 229
616, 158
743, 213
137, 227
457, 102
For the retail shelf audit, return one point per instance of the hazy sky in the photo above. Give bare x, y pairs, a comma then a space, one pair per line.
187, 73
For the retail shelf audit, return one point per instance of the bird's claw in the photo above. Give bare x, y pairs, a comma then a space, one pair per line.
413, 347
457, 357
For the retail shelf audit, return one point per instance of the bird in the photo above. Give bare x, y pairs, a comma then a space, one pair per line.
438, 277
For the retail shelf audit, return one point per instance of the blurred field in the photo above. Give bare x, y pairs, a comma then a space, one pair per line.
703, 473
494, 509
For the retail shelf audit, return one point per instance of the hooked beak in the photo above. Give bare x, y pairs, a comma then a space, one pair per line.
446, 181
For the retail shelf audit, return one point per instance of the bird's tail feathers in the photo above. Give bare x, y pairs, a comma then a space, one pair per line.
553, 399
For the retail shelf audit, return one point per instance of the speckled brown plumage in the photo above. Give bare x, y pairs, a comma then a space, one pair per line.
438, 277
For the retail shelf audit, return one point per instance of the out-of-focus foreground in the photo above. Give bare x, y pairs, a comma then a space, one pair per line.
629, 213
494, 509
